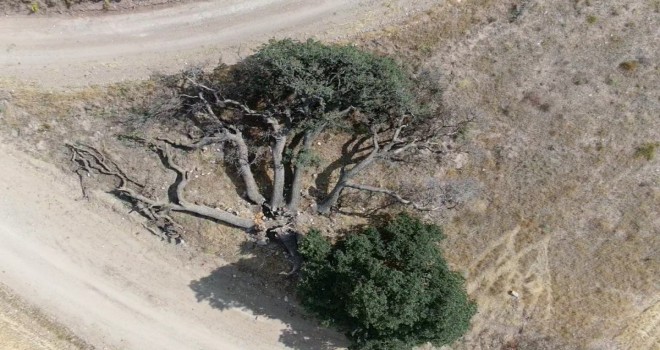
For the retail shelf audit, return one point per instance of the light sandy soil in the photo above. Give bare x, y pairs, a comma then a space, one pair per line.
65, 51
120, 290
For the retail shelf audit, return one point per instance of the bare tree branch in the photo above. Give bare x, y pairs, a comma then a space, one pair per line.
379, 151
234, 136
346, 175
392, 194
204, 141
280, 134
153, 210
85, 155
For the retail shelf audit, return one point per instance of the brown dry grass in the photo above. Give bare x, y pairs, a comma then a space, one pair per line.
23, 327
569, 213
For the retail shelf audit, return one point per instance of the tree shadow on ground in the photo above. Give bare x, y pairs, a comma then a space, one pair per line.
239, 286
349, 151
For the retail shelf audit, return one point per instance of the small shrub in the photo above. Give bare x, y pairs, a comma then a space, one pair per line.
34, 7
647, 150
308, 159
387, 287
629, 66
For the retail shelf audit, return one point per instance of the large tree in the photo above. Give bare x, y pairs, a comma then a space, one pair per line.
387, 287
280, 99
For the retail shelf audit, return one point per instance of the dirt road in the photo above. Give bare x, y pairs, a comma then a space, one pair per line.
65, 51
119, 290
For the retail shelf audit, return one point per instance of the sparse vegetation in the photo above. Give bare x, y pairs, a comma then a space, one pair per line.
387, 287
629, 66
34, 7
647, 150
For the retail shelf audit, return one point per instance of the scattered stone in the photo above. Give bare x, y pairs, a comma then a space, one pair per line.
85, 124
42, 145
514, 294
461, 160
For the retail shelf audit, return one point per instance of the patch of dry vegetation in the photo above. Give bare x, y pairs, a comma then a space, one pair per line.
23, 327
563, 150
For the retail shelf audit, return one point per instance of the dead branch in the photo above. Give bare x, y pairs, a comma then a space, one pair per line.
204, 141
392, 194
90, 159
233, 135
346, 175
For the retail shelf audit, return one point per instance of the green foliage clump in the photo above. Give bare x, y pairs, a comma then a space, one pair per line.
647, 150
316, 81
387, 288
34, 7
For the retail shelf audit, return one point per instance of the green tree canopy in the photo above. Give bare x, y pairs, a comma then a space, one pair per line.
387, 287
312, 81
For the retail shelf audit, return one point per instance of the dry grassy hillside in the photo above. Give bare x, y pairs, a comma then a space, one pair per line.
568, 104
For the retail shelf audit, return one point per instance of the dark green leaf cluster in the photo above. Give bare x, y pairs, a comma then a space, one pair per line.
315, 80
388, 287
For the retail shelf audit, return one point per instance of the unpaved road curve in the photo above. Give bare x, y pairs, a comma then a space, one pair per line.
118, 290
65, 51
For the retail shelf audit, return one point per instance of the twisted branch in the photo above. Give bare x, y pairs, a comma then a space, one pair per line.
392, 194
90, 159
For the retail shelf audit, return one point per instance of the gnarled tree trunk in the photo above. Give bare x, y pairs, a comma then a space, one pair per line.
277, 198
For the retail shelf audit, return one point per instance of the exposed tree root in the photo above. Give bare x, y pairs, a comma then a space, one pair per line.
160, 223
